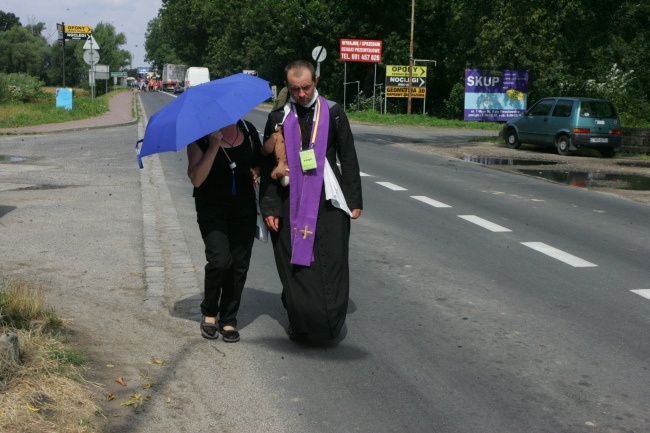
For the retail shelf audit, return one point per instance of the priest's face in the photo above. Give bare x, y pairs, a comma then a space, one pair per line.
301, 85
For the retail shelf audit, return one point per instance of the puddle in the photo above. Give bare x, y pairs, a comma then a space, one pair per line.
634, 163
594, 180
506, 161
7, 158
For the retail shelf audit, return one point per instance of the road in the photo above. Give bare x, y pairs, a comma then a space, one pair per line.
481, 301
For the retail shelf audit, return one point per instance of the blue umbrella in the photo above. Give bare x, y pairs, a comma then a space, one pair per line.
201, 110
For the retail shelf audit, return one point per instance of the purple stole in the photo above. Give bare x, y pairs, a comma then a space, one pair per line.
305, 187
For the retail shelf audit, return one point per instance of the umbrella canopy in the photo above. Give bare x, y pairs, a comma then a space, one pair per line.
201, 110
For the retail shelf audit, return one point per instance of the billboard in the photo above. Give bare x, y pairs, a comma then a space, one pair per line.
397, 81
360, 50
495, 96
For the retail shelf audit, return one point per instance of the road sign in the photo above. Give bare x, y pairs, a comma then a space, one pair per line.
404, 81
403, 92
403, 71
118, 74
91, 57
319, 54
76, 36
77, 29
91, 44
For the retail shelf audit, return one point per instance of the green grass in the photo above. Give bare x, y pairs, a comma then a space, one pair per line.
16, 114
419, 120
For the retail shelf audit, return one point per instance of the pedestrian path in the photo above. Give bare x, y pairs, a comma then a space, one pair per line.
121, 112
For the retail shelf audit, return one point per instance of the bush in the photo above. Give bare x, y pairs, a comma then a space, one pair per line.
20, 87
456, 103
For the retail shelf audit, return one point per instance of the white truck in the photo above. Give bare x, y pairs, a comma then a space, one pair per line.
172, 75
196, 75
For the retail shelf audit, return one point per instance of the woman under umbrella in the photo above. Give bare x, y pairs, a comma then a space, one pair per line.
224, 167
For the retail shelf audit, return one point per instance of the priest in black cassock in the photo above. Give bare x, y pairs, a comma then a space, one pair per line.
309, 219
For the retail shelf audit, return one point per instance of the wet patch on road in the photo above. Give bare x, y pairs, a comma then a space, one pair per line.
506, 161
11, 159
582, 179
593, 179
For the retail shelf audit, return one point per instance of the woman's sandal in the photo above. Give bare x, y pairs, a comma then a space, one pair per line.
229, 335
209, 330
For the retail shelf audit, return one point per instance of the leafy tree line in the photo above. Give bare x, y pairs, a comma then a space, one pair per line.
24, 50
594, 48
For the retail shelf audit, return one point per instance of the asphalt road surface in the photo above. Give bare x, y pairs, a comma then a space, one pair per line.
481, 301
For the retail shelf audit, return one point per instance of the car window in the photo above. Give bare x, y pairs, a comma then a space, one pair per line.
542, 108
599, 109
563, 108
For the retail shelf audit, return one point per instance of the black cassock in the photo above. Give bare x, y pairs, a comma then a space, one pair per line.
316, 297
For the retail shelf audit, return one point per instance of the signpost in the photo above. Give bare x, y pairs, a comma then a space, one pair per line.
397, 81
70, 32
76, 32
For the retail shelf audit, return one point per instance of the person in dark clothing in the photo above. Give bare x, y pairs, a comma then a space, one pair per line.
224, 167
309, 223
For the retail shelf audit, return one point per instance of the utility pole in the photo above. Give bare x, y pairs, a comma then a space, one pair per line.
408, 105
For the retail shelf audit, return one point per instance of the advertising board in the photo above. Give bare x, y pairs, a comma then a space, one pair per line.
360, 50
495, 96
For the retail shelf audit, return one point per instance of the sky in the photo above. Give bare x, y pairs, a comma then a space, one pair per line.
127, 16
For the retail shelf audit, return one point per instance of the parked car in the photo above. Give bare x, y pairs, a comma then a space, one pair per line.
179, 88
567, 124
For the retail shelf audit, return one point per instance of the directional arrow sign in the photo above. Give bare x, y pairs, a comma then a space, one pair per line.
78, 29
91, 44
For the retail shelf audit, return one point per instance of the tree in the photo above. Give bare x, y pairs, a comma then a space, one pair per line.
8, 20
158, 45
20, 51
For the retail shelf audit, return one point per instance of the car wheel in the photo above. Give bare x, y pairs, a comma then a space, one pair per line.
607, 153
512, 141
563, 144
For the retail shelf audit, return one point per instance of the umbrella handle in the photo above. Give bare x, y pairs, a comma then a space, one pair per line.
138, 147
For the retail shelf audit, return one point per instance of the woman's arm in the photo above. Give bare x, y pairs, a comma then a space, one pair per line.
199, 164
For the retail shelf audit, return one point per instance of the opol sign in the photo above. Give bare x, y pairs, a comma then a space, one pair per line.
397, 83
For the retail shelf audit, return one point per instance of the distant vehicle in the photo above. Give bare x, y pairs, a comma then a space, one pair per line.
567, 124
196, 75
179, 88
172, 75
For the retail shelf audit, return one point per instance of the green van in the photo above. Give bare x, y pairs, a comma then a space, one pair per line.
567, 124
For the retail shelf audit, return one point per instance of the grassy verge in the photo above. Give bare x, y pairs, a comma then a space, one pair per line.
44, 390
418, 120
16, 114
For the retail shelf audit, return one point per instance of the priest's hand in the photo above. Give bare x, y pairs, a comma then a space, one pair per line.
356, 213
272, 222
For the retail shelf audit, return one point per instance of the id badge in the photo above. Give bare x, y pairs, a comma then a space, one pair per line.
308, 159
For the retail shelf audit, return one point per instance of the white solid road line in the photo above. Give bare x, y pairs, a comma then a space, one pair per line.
391, 186
362, 174
429, 201
560, 255
642, 292
484, 223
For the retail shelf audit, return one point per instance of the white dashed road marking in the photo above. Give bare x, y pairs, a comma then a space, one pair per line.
391, 186
560, 255
362, 174
642, 292
429, 201
484, 223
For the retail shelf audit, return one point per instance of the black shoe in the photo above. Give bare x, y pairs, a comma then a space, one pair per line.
209, 330
229, 335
